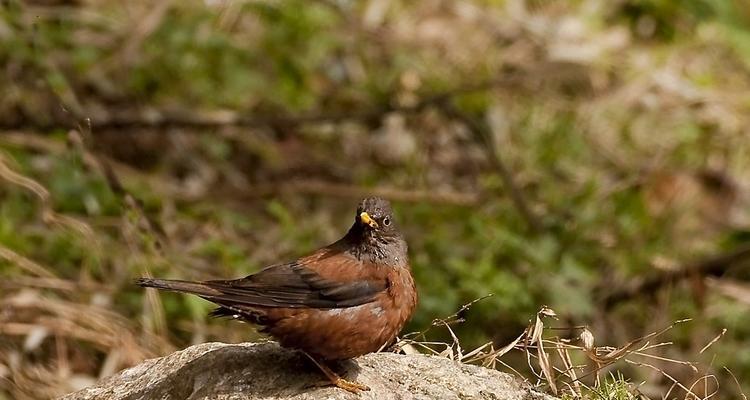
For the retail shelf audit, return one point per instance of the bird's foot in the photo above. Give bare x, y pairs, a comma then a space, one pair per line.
350, 386
336, 380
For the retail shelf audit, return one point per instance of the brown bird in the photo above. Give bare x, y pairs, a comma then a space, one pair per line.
344, 300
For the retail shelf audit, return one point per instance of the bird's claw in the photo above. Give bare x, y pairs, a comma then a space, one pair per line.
354, 387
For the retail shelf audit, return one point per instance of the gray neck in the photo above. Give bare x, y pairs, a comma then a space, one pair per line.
390, 250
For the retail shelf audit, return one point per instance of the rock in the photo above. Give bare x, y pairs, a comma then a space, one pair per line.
267, 371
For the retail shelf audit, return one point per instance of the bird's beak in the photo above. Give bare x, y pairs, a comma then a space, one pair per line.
366, 219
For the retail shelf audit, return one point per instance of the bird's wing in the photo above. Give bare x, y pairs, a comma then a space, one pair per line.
300, 284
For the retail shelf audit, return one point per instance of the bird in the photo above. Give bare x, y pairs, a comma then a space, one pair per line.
346, 299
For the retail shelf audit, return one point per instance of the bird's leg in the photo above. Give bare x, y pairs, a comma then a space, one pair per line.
336, 380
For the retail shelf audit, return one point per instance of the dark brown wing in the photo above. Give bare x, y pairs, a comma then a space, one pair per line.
292, 285
328, 278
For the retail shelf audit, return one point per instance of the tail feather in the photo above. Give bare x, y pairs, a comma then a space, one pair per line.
197, 288
228, 308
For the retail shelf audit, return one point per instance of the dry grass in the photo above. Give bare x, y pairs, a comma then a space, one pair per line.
550, 359
51, 320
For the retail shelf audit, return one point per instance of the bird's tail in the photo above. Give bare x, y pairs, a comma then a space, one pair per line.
197, 288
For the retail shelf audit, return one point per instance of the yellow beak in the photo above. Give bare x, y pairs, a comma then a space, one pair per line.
366, 219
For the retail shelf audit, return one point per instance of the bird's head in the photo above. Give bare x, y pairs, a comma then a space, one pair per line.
374, 235
375, 215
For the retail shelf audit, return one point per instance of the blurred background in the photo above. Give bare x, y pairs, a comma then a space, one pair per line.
589, 156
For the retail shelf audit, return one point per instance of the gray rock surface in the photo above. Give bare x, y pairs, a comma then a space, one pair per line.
266, 371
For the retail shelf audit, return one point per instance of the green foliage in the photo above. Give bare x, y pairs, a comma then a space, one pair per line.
614, 387
671, 18
278, 66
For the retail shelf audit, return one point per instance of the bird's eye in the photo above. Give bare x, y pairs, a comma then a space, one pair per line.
386, 221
